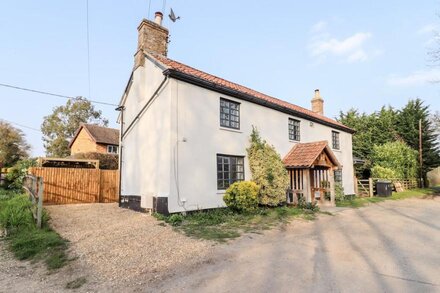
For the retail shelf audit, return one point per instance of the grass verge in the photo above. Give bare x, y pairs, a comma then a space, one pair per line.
223, 224
24, 239
362, 201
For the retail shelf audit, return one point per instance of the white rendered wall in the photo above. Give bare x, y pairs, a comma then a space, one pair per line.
197, 138
145, 168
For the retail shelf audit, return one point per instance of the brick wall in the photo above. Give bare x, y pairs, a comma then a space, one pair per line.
83, 144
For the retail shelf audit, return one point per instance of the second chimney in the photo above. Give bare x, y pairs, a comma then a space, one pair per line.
152, 37
318, 103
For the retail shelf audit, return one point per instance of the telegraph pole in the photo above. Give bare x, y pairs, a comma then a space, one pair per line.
422, 185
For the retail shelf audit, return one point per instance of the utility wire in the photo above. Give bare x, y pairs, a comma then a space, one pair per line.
51, 94
21, 125
163, 6
88, 48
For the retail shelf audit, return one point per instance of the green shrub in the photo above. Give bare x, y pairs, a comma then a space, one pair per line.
268, 171
311, 206
242, 196
383, 172
15, 214
339, 192
175, 219
394, 159
17, 173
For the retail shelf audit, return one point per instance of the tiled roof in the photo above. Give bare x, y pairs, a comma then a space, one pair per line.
185, 69
305, 154
99, 134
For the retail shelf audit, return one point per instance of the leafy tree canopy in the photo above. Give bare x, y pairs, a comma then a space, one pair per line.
13, 145
388, 125
59, 127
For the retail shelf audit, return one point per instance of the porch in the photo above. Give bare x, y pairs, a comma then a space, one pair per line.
311, 169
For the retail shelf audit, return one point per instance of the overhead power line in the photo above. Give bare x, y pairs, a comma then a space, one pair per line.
51, 94
21, 125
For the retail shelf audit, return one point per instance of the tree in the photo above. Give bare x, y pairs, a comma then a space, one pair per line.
59, 127
394, 160
371, 129
408, 128
435, 120
267, 170
13, 145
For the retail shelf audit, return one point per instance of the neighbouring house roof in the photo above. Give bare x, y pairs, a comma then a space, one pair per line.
189, 74
100, 134
304, 155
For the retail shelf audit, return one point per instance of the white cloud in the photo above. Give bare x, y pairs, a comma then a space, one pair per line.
351, 49
428, 29
417, 78
319, 26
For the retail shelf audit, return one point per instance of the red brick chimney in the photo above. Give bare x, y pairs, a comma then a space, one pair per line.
318, 103
152, 37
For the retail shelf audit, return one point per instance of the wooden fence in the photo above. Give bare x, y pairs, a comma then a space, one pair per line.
34, 188
73, 185
367, 187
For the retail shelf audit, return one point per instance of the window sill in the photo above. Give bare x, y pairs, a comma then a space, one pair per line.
337, 150
231, 129
221, 191
294, 141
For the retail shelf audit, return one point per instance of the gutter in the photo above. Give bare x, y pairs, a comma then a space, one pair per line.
246, 97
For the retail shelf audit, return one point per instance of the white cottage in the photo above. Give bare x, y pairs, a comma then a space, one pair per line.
184, 135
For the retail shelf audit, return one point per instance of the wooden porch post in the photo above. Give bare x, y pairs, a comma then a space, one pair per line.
307, 188
332, 186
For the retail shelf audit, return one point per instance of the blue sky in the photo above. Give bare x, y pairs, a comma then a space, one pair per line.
360, 54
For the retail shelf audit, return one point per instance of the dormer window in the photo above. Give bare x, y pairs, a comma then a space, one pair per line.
229, 114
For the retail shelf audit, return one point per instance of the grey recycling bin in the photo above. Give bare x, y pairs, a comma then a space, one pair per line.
384, 188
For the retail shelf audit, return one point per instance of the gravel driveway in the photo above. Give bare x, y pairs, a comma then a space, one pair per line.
115, 249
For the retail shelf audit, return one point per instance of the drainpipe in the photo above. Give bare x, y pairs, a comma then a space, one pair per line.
120, 109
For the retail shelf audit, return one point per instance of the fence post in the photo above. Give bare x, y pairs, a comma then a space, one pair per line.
356, 187
40, 202
370, 186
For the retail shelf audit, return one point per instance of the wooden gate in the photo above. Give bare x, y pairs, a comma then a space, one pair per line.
75, 185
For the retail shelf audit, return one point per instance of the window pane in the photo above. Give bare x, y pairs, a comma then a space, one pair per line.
229, 170
229, 114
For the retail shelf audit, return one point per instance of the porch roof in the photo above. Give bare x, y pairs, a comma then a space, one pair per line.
305, 155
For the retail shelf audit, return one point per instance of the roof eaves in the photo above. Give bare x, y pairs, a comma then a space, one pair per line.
228, 91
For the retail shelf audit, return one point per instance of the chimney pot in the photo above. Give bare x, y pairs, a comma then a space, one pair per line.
158, 17
152, 38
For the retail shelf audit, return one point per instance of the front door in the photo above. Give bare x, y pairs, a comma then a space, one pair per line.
320, 185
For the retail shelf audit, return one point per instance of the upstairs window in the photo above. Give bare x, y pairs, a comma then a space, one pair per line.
294, 132
229, 170
335, 140
112, 149
229, 114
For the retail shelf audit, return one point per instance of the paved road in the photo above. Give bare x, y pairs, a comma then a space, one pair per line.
393, 246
